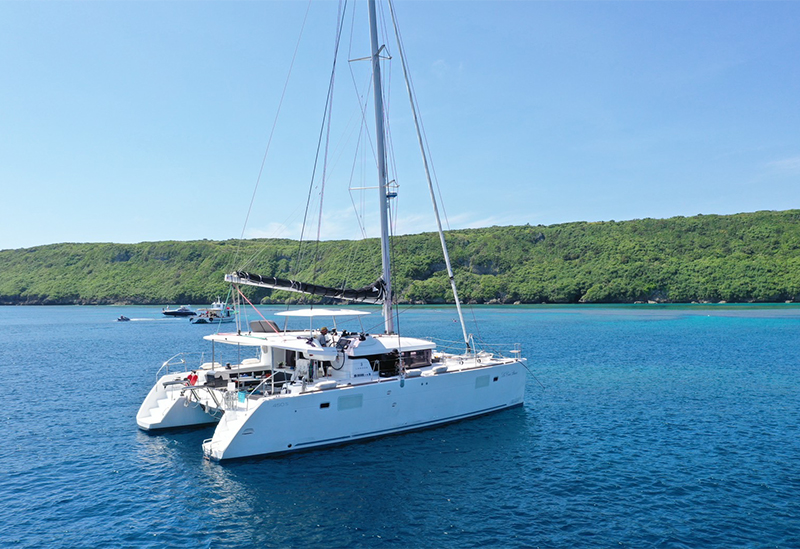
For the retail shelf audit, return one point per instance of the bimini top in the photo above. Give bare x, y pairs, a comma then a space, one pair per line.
359, 344
301, 343
323, 312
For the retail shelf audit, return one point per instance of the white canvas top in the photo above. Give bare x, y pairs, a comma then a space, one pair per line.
305, 344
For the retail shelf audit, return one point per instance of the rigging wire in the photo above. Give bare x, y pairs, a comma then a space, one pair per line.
359, 218
271, 134
425, 161
261, 250
391, 159
363, 101
412, 91
326, 119
254, 308
340, 19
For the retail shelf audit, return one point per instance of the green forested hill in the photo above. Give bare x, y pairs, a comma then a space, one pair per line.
734, 258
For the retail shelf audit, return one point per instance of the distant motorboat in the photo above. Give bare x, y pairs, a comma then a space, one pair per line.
218, 312
184, 310
123, 318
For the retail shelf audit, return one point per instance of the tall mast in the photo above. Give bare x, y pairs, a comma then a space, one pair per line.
384, 199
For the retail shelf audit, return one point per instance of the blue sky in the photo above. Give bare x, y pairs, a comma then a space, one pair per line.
143, 121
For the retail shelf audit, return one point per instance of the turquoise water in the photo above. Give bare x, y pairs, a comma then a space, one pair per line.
643, 426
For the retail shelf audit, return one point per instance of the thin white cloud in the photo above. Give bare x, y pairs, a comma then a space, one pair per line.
786, 166
442, 69
273, 230
426, 223
342, 225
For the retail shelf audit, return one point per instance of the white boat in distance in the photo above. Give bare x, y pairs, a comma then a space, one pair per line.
307, 388
218, 313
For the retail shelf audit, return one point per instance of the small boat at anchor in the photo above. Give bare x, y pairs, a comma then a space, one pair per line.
219, 312
183, 310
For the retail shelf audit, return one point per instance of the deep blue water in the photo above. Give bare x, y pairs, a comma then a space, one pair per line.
657, 426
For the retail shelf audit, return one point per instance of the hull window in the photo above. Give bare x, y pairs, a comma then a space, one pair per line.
350, 402
482, 381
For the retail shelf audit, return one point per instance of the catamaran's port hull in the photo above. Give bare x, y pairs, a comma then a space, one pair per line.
288, 423
168, 406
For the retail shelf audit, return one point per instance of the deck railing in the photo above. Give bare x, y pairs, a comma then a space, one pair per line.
176, 360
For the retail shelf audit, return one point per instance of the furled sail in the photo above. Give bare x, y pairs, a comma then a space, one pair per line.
374, 293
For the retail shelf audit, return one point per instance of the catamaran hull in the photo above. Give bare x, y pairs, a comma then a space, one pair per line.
289, 423
167, 406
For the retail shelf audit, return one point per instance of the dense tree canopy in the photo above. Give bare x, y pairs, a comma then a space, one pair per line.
734, 258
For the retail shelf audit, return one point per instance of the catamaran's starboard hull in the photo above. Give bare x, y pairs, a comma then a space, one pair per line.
288, 423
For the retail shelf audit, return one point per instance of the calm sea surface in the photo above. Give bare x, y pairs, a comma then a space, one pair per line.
644, 426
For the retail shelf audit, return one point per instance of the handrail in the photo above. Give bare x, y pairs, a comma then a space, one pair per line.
169, 362
257, 387
447, 343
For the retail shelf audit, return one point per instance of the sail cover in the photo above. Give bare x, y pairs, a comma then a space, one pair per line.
374, 293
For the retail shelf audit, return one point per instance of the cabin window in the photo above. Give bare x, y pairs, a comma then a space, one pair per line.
325, 405
417, 359
385, 364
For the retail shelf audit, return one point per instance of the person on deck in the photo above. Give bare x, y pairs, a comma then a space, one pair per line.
322, 338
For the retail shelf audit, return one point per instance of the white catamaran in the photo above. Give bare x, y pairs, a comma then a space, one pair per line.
305, 388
